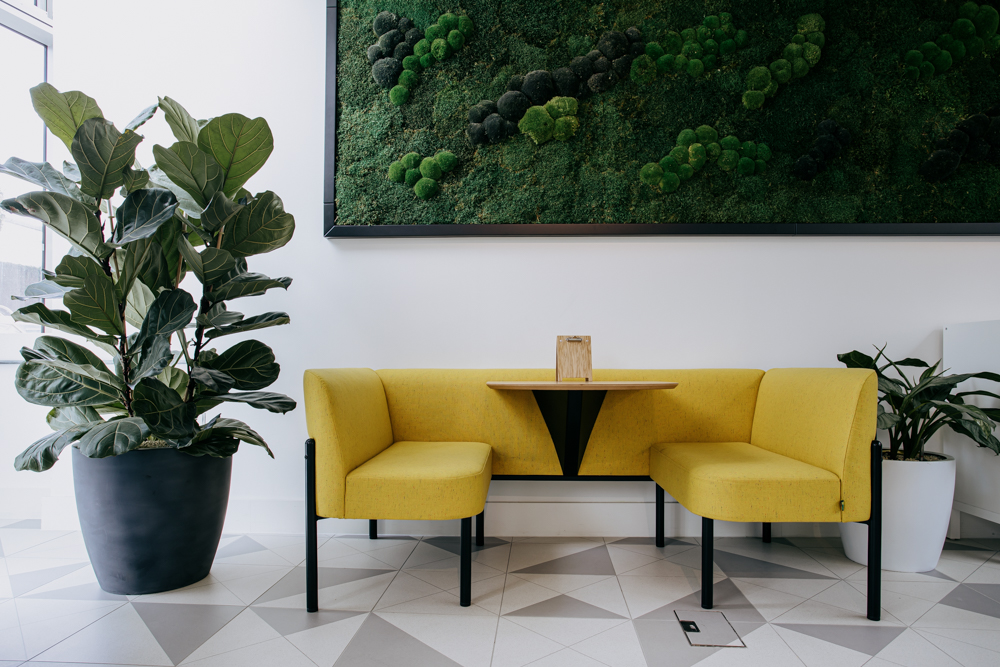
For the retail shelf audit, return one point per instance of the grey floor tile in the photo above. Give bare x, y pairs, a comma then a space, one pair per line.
744, 567
563, 606
29, 581
82, 592
938, 575
181, 628
591, 561
379, 642
951, 545
454, 545
27, 524
868, 639
290, 621
726, 598
294, 582
649, 541
970, 598
239, 547
664, 644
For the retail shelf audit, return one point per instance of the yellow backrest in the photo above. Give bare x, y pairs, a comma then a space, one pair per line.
708, 405
456, 405
347, 416
824, 417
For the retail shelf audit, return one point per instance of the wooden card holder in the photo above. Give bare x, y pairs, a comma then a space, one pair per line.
573, 360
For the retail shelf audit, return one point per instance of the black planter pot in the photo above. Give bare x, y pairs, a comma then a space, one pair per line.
151, 519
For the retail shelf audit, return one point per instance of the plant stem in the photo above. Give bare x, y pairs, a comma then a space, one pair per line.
184, 348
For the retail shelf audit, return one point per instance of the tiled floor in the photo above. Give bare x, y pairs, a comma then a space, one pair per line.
546, 602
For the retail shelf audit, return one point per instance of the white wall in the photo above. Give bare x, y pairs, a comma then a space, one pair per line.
647, 302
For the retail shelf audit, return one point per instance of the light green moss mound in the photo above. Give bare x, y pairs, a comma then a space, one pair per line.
429, 168
397, 172
558, 107
537, 124
399, 95
706, 134
670, 182
651, 174
412, 176
446, 161
565, 128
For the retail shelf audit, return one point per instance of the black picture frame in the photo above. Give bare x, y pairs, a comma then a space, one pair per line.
332, 230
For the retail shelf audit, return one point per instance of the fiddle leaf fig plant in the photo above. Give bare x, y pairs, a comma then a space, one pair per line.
914, 409
135, 233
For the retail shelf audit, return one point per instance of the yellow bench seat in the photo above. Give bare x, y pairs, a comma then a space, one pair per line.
421, 481
736, 481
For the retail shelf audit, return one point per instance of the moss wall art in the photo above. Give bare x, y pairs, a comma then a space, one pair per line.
573, 112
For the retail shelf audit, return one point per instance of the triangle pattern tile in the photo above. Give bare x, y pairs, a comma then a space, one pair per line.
29, 581
962, 546
43, 634
294, 583
516, 645
606, 594
290, 621
468, 640
26, 524
651, 541
966, 654
596, 561
378, 642
938, 575
81, 592
325, 644
727, 598
992, 591
618, 646
278, 652
969, 598
245, 630
867, 639
625, 560
182, 628
239, 547
567, 658
563, 606
818, 653
120, 638
453, 544
735, 565
664, 644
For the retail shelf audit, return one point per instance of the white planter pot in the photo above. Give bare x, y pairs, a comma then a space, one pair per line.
916, 509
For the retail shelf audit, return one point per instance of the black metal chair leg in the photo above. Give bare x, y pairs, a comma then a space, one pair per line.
766, 532
481, 528
707, 566
372, 529
312, 555
465, 564
659, 516
875, 538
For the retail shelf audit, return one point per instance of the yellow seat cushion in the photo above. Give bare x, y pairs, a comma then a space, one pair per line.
421, 480
736, 481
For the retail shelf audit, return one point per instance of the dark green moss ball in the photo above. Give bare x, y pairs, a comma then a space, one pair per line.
763, 152
654, 50
956, 49
643, 70
711, 46
926, 71
426, 188
665, 64
446, 160
696, 68
968, 10
697, 156
678, 154
817, 38
987, 21
680, 64
727, 47
714, 150
753, 99
409, 79
748, 149
730, 143
758, 78
412, 64
429, 168
466, 25
693, 51
707, 134
771, 90
704, 34
974, 46
673, 43
741, 38
799, 68
745, 167
669, 165
759, 166
792, 51
930, 50
412, 176
421, 48
411, 160
397, 172
942, 62
914, 58
963, 29
670, 182
440, 49
812, 54
709, 61
728, 160
434, 32
427, 60
689, 35
399, 95
911, 73
712, 22
685, 171
651, 174
799, 39
456, 40
687, 137
810, 23
448, 21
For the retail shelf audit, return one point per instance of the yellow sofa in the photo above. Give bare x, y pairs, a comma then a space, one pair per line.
735, 445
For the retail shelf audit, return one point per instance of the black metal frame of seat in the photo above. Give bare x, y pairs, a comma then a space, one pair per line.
312, 542
874, 545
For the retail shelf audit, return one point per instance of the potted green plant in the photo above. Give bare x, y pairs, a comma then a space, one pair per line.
917, 486
151, 471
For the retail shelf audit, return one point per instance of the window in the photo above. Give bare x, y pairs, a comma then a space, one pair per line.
26, 42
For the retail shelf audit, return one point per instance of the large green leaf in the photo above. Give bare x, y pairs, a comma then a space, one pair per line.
191, 257
63, 113
186, 202
856, 359
64, 215
45, 289
67, 350
216, 264
152, 358
172, 310
215, 381
221, 210
225, 428
247, 284
102, 153
167, 236
132, 261
113, 438
137, 304
262, 400
42, 454
42, 174
218, 316
142, 213
143, 116
37, 313
163, 410
174, 378
59, 419
192, 169
250, 363
241, 146
262, 226
72, 270
250, 324
133, 179
96, 305
58, 383
184, 127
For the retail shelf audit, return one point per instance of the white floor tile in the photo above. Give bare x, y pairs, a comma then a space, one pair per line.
266, 654
519, 593
912, 650
468, 640
605, 594
818, 653
769, 602
119, 638
625, 560
486, 593
404, 588
764, 649
987, 639
566, 631
247, 629
516, 645
617, 647
566, 658
323, 645
645, 594
526, 554
965, 654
